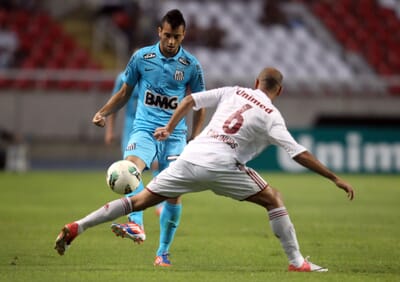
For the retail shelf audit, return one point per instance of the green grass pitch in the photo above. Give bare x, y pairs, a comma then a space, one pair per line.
218, 240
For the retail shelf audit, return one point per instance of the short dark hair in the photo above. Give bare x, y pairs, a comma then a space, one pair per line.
271, 78
271, 83
174, 18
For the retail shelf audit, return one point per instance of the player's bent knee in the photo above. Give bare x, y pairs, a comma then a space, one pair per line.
275, 198
269, 198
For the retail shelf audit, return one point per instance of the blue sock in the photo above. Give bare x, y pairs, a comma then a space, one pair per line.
169, 221
136, 216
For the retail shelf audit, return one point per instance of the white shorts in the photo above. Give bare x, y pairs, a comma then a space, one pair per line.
184, 177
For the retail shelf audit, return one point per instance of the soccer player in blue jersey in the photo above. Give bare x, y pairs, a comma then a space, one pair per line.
163, 74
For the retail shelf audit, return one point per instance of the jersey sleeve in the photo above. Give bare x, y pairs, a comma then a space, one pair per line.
118, 83
131, 73
208, 98
280, 136
197, 81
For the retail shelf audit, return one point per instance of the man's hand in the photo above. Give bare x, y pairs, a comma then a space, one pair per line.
346, 187
99, 120
161, 133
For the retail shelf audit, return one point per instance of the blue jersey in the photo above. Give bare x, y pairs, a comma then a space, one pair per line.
130, 111
162, 83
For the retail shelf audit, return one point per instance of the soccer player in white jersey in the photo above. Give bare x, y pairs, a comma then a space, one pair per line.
244, 124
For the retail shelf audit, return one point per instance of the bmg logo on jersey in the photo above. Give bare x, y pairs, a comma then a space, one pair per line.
161, 101
179, 75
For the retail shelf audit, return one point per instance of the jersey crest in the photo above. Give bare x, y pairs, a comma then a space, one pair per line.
179, 75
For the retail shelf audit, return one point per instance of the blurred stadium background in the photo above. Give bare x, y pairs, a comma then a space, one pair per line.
340, 59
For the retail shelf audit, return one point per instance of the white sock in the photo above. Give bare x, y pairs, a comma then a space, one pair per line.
284, 230
108, 212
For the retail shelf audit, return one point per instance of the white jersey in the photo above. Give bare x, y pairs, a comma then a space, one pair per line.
244, 124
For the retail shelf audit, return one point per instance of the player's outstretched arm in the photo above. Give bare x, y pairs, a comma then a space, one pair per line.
163, 133
115, 103
198, 121
307, 160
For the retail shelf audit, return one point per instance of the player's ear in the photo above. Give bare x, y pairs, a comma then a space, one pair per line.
159, 31
256, 83
279, 90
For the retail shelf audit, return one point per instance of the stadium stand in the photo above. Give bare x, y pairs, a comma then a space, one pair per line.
302, 47
361, 20
338, 70
307, 41
45, 47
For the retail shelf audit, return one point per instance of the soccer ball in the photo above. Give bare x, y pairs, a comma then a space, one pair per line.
123, 177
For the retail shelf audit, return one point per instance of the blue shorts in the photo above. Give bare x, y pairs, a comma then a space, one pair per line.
142, 144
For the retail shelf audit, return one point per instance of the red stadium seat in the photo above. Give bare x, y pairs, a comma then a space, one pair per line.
65, 84
24, 83
44, 44
364, 27
5, 82
21, 18
106, 85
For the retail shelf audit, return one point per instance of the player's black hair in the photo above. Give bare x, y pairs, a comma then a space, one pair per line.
174, 18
